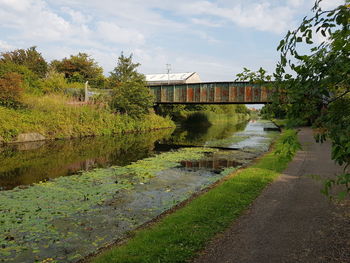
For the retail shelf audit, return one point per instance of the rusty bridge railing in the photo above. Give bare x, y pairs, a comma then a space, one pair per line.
213, 93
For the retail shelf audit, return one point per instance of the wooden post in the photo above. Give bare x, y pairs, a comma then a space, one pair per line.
86, 99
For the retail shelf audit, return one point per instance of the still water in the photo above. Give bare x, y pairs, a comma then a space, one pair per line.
28, 163
52, 210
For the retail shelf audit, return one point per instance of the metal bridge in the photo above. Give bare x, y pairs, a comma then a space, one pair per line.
212, 93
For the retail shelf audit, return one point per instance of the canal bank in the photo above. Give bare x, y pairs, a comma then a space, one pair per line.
53, 117
291, 221
179, 236
103, 205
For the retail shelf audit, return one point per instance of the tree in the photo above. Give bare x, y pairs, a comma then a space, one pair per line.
258, 77
11, 90
130, 94
30, 58
261, 77
80, 68
30, 81
319, 91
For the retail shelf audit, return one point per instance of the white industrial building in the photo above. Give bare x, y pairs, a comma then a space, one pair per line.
172, 78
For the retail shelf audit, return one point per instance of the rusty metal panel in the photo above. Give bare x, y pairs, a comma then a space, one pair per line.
203, 93
210, 93
248, 93
225, 92
217, 93
240, 93
197, 92
163, 94
257, 93
169, 93
177, 93
264, 93
233, 92
180, 93
190, 93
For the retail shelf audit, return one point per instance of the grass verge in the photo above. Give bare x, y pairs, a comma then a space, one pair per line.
180, 235
52, 117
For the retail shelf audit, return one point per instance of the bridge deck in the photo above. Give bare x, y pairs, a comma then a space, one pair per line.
212, 93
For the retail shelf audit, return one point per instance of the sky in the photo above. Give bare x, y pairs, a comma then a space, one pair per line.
214, 38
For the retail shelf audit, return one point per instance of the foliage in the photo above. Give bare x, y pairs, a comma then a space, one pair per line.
269, 111
80, 68
125, 71
319, 91
215, 135
182, 112
52, 117
179, 236
30, 58
288, 145
130, 94
259, 76
11, 90
55, 82
30, 80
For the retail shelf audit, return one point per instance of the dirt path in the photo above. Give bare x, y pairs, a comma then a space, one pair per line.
291, 221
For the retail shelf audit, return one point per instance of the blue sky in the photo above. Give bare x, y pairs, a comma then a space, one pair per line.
214, 38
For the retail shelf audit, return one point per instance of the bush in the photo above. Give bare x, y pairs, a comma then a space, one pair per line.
30, 58
130, 94
30, 81
56, 83
11, 90
80, 68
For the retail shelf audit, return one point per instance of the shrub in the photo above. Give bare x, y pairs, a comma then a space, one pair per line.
130, 94
30, 81
80, 68
11, 90
30, 58
56, 83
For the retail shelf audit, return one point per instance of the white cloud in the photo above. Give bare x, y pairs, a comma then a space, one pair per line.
18, 5
330, 4
4, 46
156, 31
295, 3
205, 22
116, 34
76, 16
34, 22
260, 15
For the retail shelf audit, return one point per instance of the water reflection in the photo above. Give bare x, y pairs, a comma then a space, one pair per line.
214, 165
199, 135
28, 163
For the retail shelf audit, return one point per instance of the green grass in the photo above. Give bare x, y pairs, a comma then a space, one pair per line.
180, 235
54, 118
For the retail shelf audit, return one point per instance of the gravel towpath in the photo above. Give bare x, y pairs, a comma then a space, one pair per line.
291, 221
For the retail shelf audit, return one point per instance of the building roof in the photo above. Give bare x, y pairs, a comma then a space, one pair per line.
172, 77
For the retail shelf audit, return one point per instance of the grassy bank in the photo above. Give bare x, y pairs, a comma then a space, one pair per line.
53, 117
179, 236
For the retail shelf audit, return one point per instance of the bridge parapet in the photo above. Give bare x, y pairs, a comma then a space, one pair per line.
212, 93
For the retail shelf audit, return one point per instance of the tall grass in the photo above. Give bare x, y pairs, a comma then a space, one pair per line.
52, 117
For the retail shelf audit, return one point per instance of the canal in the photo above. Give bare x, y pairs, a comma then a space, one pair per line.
61, 200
